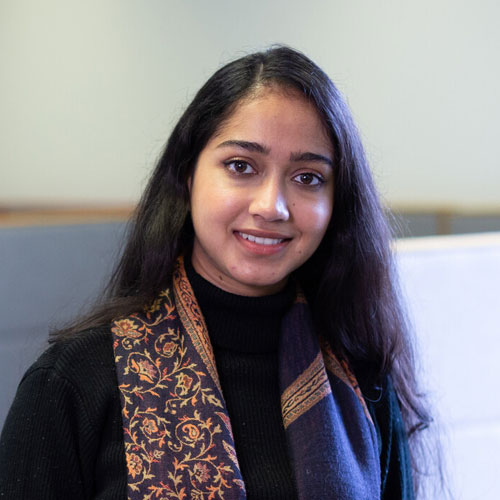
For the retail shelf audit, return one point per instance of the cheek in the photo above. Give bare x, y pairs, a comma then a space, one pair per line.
211, 208
315, 219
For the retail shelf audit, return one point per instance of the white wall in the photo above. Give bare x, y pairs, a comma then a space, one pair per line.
90, 89
451, 285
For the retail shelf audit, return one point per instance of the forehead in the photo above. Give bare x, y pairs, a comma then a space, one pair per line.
280, 115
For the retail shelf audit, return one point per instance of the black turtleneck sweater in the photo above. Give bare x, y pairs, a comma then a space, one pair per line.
63, 437
244, 332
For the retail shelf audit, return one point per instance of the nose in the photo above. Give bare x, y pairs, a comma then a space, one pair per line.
269, 201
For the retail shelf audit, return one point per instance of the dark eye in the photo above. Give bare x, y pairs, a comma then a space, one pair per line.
239, 167
309, 179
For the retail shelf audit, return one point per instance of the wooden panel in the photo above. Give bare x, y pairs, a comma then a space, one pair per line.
58, 215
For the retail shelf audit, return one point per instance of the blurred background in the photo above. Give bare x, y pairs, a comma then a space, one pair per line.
89, 91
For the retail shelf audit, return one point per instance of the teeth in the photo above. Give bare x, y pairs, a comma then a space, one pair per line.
261, 241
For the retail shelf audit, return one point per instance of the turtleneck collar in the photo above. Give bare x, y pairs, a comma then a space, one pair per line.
238, 323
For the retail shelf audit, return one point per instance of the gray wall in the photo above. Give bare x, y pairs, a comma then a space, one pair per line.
47, 275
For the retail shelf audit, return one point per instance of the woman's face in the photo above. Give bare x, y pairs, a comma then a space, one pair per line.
261, 194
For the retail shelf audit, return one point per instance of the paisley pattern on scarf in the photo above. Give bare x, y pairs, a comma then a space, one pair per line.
175, 424
177, 432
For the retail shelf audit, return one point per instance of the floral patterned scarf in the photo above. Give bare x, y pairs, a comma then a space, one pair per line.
177, 432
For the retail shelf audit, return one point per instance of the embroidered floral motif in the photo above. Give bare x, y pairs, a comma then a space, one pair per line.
184, 383
169, 403
169, 349
134, 464
177, 434
125, 328
200, 472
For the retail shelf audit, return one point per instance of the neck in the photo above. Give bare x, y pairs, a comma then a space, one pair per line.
239, 323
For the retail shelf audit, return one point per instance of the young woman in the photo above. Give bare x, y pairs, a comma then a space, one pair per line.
251, 343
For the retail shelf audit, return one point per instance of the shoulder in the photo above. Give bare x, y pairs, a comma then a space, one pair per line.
64, 426
79, 356
81, 368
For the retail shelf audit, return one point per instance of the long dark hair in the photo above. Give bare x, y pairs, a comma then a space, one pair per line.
350, 280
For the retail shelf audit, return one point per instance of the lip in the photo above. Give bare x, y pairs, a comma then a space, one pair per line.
259, 249
264, 234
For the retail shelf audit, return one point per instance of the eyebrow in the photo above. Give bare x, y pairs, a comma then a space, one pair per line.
311, 157
255, 147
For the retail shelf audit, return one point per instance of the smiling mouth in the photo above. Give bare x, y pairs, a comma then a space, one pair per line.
262, 241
